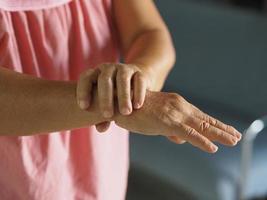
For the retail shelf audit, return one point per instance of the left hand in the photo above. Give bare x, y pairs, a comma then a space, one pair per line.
170, 115
127, 79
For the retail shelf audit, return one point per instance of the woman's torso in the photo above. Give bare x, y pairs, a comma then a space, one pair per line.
58, 43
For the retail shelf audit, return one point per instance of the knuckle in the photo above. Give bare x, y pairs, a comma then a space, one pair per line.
204, 126
190, 133
135, 68
123, 76
205, 117
121, 66
104, 66
172, 95
111, 68
176, 97
105, 78
212, 121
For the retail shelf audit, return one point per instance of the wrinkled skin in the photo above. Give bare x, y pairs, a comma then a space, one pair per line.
151, 113
169, 114
113, 78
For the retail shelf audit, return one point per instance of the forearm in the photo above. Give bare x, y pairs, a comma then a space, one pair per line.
30, 105
154, 53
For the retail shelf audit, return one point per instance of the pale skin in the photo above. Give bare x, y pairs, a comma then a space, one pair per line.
31, 105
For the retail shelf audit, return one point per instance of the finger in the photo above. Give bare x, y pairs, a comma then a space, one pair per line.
196, 139
211, 132
105, 90
176, 140
139, 90
102, 127
215, 122
84, 87
123, 83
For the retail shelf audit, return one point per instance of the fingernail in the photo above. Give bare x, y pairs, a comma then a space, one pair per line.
83, 104
239, 135
234, 141
214, 149
126, 111
137, 105
107, 114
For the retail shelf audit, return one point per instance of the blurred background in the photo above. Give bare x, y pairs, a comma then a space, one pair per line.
221, 68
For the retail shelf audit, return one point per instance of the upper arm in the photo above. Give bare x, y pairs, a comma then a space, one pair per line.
134, 17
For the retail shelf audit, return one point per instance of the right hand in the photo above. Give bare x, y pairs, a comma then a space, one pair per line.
170, 115
113, 80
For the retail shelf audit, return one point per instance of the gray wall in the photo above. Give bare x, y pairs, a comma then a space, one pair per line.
222, 55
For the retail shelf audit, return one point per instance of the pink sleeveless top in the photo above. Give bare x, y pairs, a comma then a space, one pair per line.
57, 40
